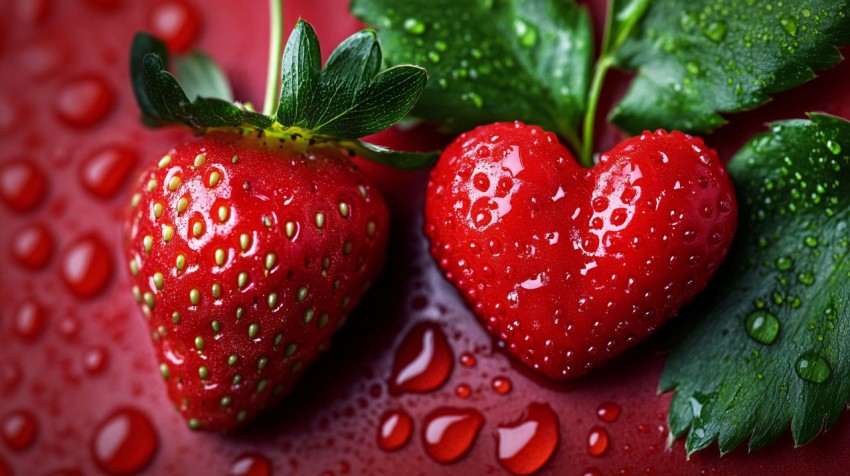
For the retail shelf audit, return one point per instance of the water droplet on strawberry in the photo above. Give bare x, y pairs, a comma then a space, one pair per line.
608, 412
394, 430
448, 433
423, 361
251, 464
19, 429
30, 319
105, 170
42, 60
176, 22
597, 441
501, 385
125, 442
86, 266
526, 445
84, 101
467, 359
463, 391
32, 246
22, 185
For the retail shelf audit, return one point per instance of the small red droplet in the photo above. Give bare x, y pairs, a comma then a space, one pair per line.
30, 319
87, 266
125, 442
10, 376
84, 101
597, 441
526, 445
467, 359
32, 246
501, 385
22, 185
608, 412
175, 22
463, 391
251, 464
94, 360
448, 433
395, 429
19, 429
423, 361
107, 169
592, 472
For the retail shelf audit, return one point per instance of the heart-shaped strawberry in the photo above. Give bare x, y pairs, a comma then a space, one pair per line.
571, 266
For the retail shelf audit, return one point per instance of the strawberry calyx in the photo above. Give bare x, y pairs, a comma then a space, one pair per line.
331, 106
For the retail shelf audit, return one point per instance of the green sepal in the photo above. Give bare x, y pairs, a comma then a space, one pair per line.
348, 99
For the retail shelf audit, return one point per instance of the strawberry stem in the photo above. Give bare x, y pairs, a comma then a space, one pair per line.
601, 69
275, 40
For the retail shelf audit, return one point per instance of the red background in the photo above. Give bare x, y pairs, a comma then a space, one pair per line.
50, 368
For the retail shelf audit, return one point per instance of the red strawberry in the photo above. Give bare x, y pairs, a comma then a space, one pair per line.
245, 259
248, 247
569, 266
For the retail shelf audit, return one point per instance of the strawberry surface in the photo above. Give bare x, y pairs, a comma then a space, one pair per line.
568, 266
246, 255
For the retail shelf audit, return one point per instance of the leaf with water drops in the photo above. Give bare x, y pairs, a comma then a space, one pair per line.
491, 60
701, 58
768, 344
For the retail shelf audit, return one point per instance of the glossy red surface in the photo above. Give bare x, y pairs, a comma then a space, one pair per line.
91, 357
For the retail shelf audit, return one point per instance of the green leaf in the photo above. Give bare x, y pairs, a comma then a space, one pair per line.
399, 160
491, 60
144, 45
768, 344
700, 58
200, 76
386, 99
302, 63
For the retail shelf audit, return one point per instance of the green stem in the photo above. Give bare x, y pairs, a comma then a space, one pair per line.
275, 40
599, 73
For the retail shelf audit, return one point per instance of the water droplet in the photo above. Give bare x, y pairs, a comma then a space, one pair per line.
526, 445
716, 31
30, 319
608, 412
19, 429
467, 360
762, 326
176, 22
125, 442
105, 170
526, 33
597, 441
448, 433
394, 430
833, 147
414, 26
501, 385
423, 361
22, 185
84, 101
87, 266
784, 263
812, 367
251, 464
32, 246
94, 360
789, 25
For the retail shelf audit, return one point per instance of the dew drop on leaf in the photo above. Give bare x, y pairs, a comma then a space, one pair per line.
762, 326
812, 367
414, 26
833, 147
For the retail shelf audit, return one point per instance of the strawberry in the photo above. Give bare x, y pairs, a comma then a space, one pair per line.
248, 246
567, 266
